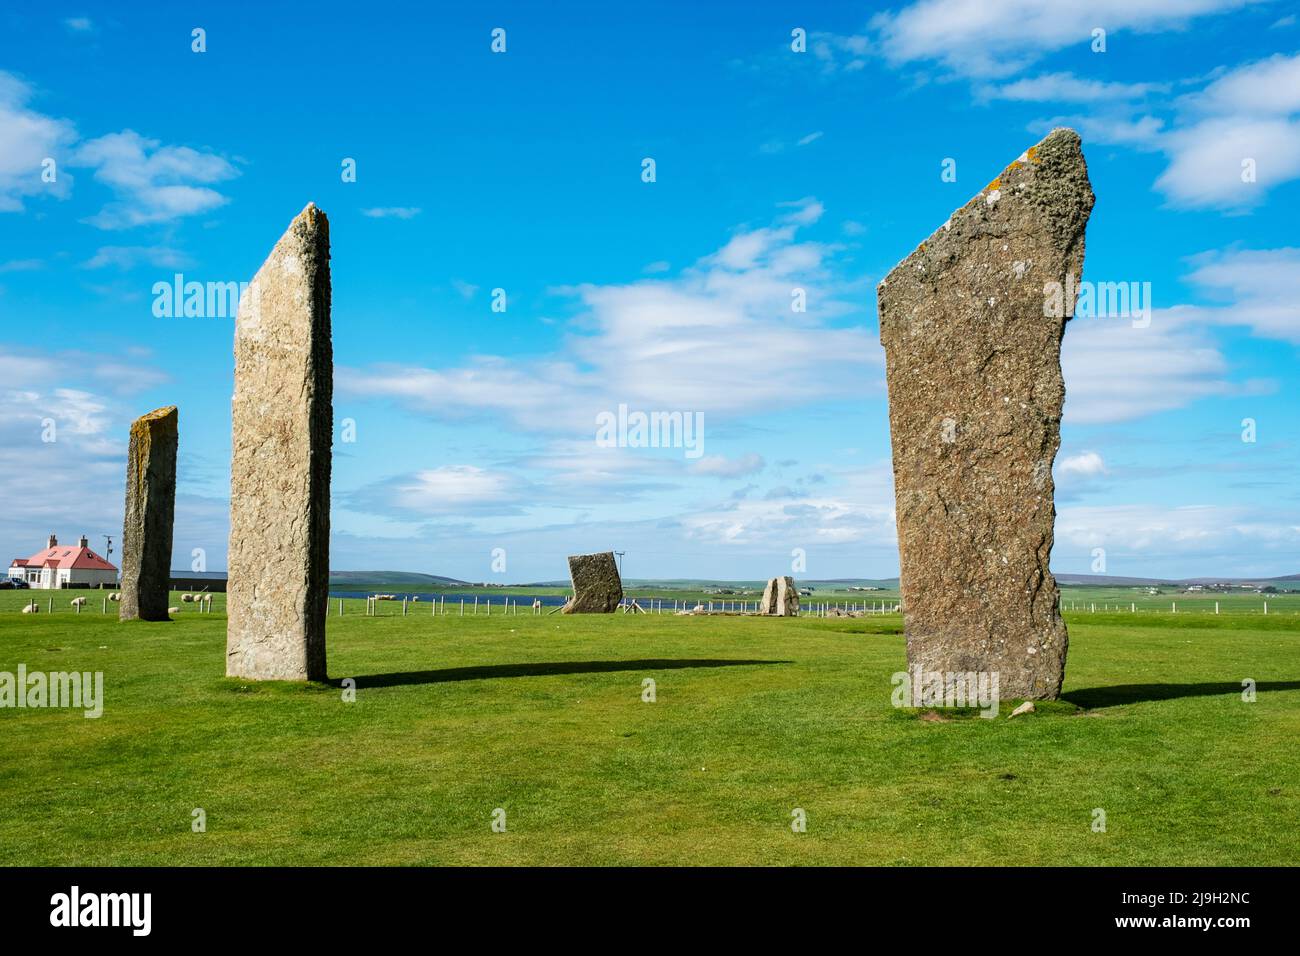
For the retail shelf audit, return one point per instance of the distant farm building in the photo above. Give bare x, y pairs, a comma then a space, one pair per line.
63, 566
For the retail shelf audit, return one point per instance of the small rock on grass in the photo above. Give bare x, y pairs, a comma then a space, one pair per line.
1026, 708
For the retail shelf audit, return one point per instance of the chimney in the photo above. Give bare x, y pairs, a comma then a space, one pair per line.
54, 542
83, 543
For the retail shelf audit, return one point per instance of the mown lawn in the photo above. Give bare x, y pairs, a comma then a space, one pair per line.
543, 717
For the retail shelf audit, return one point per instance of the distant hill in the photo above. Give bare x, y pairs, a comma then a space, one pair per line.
701, 584
1286, 582
412, 579
392, 577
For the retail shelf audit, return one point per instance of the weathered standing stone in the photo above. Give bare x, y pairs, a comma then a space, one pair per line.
780, 598
973, 363
597, 587
787, 597
150, 508
282, 421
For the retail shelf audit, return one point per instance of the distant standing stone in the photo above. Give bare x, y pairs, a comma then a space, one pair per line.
973, 365
150, 509
780, 598
787, 597
282, 420
597, 587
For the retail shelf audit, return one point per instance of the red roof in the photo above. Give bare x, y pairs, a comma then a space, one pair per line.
61, 556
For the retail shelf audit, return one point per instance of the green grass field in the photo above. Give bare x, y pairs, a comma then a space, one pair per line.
543, 717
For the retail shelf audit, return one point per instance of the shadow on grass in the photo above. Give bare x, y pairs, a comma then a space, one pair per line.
1094, 697
491, 671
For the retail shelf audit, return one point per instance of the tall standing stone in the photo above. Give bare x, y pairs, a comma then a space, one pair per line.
972, 324
283, 421
150, 508
597, 587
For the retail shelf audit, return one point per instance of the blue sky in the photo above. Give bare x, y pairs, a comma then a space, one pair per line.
523, 171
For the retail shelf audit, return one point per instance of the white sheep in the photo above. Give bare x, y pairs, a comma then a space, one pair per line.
78, 602
173, 610
187, 598
31, 609
115, 596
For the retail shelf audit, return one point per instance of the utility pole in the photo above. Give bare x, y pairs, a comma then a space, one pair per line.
619, 555
108, 544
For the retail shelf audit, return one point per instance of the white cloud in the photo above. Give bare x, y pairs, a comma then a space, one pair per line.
392, 212
22, 265
153, 183
1079, 473
972, 38
446, 490
1268, 87
27, 138
582, 464
1247, 117
670, 344
1227, 143
79, 24
72, 483
532, 395
1068, 88
858, 510
1263, 285
1156, 534
74, 411
720, 466
451, 487
1141, 132
810, 138
127, 257
834, 52
1206, 161
1086, 464
1115, 372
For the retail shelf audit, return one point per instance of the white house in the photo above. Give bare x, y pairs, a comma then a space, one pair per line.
62, 566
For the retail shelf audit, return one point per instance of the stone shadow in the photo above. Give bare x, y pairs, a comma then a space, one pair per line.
540, 669
1093, 697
